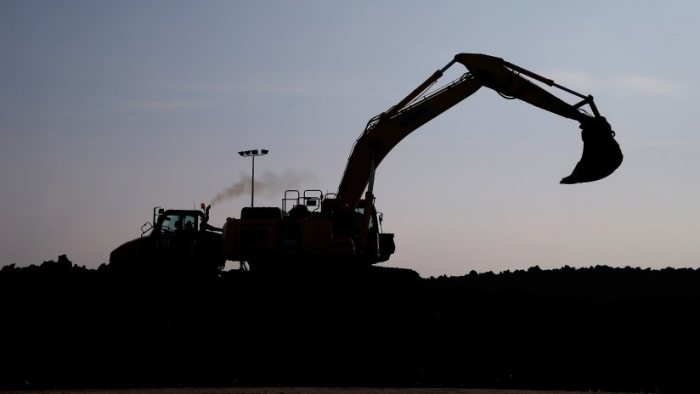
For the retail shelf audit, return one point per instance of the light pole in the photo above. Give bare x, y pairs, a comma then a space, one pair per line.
253, 153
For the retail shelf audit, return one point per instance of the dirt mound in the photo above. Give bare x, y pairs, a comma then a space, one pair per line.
597, 328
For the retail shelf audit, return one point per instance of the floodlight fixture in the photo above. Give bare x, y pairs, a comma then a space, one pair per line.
253, 153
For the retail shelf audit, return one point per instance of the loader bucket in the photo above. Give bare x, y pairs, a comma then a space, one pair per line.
601, 153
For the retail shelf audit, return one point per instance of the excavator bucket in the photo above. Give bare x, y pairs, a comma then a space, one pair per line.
601, 153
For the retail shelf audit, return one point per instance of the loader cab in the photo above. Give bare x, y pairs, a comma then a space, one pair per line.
177, 231
168, 222
173, 222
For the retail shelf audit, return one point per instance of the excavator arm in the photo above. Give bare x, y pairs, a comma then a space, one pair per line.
601, 153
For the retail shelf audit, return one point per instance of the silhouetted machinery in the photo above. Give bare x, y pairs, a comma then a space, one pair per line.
345, 226
174, 239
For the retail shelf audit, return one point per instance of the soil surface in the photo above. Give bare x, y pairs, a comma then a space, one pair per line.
578, 330
303, 390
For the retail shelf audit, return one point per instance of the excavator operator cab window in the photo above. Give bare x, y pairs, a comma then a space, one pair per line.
361, 211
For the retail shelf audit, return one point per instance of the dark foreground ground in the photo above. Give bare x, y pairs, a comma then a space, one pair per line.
305, 390
594, 329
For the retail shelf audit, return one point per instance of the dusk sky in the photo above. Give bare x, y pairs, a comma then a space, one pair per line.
111, 108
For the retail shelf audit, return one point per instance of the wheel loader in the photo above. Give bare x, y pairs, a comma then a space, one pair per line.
175, 240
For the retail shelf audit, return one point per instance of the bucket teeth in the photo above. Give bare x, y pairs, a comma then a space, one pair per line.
601, 153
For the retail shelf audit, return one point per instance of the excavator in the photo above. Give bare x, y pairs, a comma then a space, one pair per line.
345, 227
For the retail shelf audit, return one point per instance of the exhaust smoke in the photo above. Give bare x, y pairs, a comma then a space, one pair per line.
268, 184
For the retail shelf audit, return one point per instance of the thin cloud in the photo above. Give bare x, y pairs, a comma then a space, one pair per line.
648, 85
578, 81
645, 142
585, 82
307, 87
172, 104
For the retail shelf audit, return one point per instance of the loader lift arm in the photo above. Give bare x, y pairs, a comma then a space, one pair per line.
601, 154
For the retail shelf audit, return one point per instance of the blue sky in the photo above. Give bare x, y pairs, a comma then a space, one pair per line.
110, 108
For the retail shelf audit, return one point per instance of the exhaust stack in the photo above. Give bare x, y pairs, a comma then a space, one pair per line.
601, 153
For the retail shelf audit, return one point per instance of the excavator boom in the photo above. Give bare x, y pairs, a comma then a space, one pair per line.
601, 154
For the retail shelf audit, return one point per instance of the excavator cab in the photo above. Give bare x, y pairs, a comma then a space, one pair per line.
379, 246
